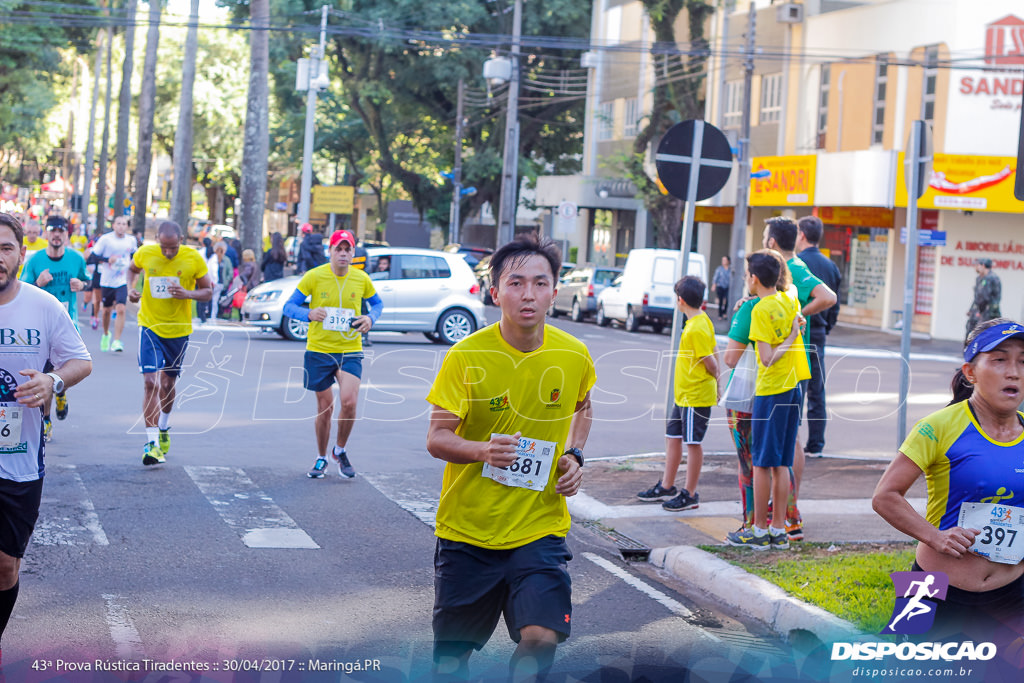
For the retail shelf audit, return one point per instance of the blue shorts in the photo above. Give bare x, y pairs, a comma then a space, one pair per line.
321, 368
473, 586
774, 422
158, 353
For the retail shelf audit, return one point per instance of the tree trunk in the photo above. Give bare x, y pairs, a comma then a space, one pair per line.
181, 188
101, 184
90, 148
125, 108
256, 145
147, 99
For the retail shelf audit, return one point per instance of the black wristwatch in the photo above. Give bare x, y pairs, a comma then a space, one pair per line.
576, 453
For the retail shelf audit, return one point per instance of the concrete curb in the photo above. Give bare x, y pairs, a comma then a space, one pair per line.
750, 595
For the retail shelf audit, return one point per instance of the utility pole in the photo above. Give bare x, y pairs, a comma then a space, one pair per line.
90, 145
456, 218
738, 240
124, 110
510, 166
181, 186
316, 57
101, 186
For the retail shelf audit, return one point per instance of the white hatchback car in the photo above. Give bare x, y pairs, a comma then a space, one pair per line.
426, 291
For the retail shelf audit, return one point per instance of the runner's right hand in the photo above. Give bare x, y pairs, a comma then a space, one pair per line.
956, 541
500, 451
44, 278
134, 295
317, 314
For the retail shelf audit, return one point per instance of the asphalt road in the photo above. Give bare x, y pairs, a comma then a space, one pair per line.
230, 557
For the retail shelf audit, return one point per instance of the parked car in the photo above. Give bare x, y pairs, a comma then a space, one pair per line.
221, 232
643, 294
483, 277
471, 253
578, 290
195, 228
426, 291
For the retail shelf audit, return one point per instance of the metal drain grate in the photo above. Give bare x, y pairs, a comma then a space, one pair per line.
630, 549
749, 642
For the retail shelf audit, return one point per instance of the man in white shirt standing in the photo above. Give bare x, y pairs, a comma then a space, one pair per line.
113, 252
34, 329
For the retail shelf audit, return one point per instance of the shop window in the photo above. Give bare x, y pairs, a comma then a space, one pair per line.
924, 287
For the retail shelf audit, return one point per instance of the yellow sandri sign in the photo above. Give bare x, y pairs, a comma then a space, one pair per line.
790, 181
966, 182
333, 198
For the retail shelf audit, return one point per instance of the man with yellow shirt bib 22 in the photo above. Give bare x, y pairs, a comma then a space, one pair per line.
334, 346
776, 331
175, 276
511, 414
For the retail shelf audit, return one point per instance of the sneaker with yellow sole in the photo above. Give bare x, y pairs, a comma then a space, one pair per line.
152, 455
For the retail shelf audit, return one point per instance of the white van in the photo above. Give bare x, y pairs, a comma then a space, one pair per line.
643, 294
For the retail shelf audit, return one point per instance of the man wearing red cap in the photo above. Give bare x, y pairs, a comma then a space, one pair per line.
311, 251
334, 348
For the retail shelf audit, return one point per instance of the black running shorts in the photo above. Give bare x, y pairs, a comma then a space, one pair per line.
19, 509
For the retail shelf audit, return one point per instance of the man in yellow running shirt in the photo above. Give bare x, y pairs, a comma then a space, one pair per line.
334, 347
511, 415
175, 276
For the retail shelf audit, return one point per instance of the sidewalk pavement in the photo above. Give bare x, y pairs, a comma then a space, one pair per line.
835, 505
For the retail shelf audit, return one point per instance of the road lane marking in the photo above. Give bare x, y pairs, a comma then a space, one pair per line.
671, 604
127, 643
400, 489
72, 520
245, 508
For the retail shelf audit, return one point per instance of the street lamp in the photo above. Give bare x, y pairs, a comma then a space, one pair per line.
311, 76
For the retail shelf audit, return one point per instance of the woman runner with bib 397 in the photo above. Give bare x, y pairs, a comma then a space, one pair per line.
971, 453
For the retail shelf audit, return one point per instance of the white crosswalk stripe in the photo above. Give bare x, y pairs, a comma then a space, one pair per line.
66, 513
246, 509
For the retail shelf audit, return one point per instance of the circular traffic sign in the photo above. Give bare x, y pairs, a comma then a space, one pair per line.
675, 155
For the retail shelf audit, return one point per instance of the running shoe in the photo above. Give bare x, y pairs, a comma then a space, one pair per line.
684, 501
94, 323
319, 469
165, 440
116, 345
795, 532
105, 342
152, 455
658, 492
746, 538
62, 406
779, 541
47, 428
345, 468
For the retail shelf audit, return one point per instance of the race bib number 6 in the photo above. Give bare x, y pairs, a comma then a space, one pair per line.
531, 468
10, 424
158, 286
999, 540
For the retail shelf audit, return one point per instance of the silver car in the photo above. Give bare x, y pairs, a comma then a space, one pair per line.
578, 290
426, 291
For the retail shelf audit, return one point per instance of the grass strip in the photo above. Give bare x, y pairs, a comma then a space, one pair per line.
850, 580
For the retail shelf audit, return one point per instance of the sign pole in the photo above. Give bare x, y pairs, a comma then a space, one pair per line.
914, 159
682, 265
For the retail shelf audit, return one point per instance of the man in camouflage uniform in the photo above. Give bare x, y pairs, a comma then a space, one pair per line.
988, 291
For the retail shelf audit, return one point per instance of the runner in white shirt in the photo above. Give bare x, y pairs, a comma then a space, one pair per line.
113, 252
34, 329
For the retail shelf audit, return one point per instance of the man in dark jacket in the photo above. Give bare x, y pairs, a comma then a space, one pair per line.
988, 293
808, 236
311, 251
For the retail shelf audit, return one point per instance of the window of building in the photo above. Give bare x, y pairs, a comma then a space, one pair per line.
823, 105
771, 98
632, 123
931, 76
606, 121
733, 116
881, 80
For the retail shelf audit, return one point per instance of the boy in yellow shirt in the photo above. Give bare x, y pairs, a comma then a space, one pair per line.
775, 329
696, 390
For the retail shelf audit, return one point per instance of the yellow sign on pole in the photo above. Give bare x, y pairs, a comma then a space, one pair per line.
783, 181
333, 198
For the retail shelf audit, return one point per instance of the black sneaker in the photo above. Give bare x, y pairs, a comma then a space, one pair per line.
684, 501
658, 492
